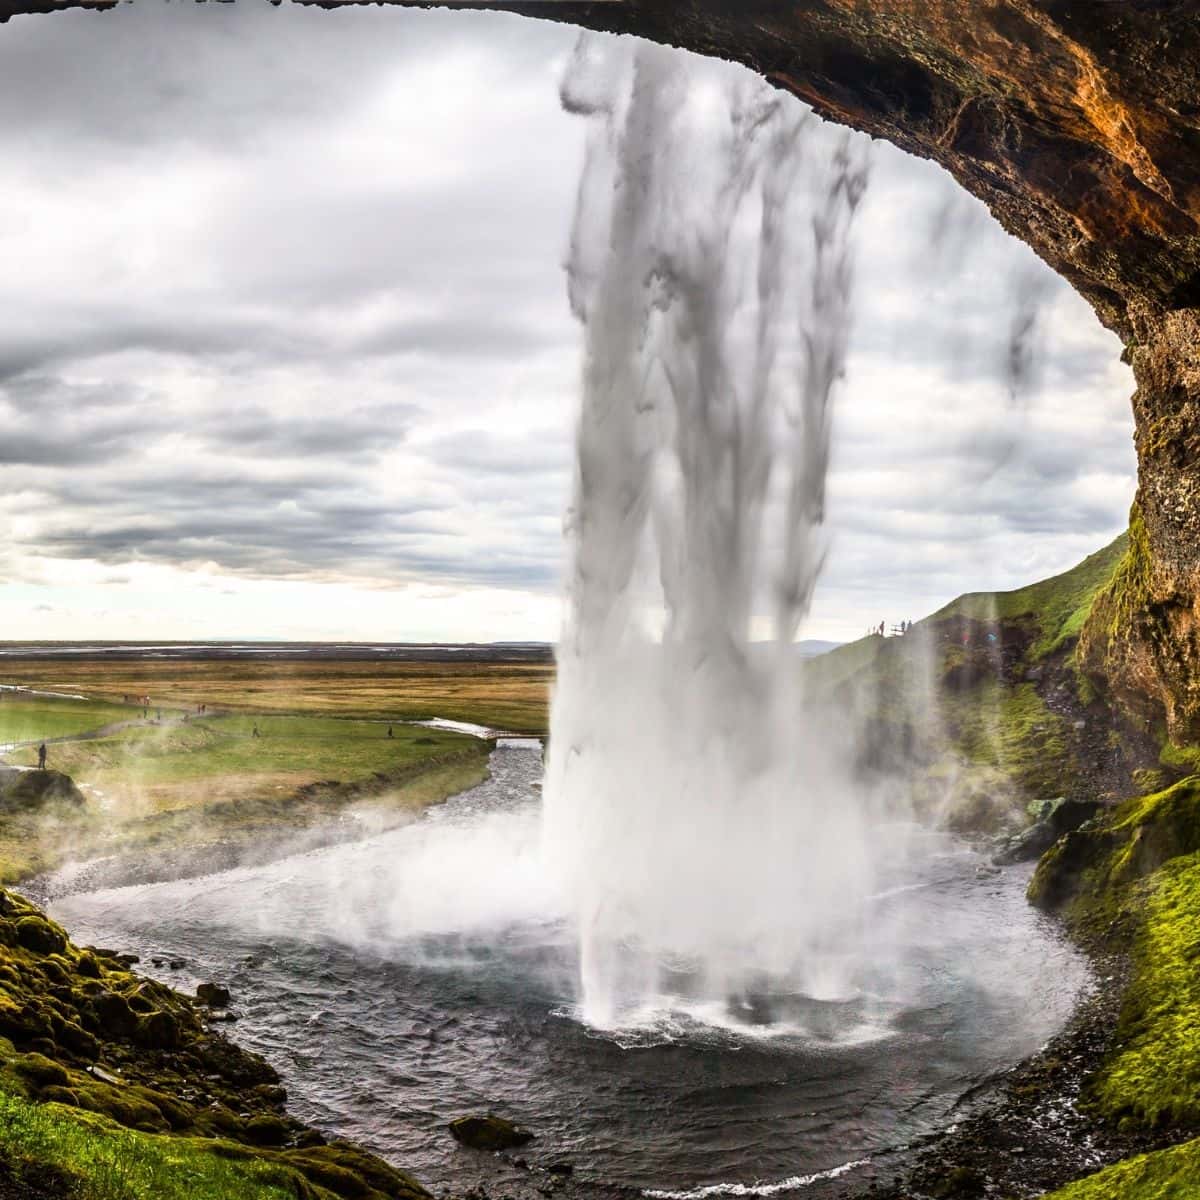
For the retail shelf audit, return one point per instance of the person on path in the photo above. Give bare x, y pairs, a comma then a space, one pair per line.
42, 757
389, 731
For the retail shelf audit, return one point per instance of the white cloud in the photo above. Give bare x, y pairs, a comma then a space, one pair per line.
286, 346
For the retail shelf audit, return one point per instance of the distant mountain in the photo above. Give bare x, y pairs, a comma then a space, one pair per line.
812, 647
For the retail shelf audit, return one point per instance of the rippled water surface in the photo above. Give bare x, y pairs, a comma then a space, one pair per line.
420, 975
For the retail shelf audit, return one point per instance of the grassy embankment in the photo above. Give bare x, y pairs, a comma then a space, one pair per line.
112, 1087
158, 786
981, 699
1133, 879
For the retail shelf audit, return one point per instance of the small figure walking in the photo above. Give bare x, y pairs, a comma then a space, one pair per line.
254, 732
389, 731
42, 757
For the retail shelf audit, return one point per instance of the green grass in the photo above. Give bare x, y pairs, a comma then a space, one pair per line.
1056, 607
111, 1162
36, 718
1172, 1174
225, 747
203, 782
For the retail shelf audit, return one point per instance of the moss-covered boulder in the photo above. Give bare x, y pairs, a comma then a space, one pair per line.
488, 1133
23, 790
1087, 867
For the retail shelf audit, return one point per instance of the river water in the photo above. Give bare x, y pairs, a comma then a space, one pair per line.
423, 974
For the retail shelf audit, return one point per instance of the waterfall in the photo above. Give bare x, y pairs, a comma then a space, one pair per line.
706, 830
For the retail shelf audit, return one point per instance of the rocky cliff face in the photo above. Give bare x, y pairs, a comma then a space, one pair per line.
1078, 123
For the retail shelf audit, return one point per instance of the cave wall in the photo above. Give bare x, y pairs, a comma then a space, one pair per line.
1078, 123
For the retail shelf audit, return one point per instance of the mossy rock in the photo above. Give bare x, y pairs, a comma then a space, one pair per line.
122, 1105
158, 1031
488, 1132
178, 1114
1134, 840
26, 790
40, 1070
40, 936
352, 1173
267, 1131
114, 1016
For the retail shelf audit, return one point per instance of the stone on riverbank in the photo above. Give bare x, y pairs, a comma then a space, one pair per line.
489, 1133
213, 995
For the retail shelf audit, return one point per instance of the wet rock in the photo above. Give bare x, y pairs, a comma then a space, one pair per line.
489, 1133
1062, 817
961, 1183
213, 995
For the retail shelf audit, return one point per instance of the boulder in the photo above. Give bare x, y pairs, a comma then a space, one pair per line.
488, 1133
21, 790
40, 936
213, 995
1060, 817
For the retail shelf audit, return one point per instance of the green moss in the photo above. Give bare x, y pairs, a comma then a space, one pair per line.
84, 1084
1180, 758
1087, 870
1010, 728
1148, 779
1154, 1077
1128, 592
1172, 1174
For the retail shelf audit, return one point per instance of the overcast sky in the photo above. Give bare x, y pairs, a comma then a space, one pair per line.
286, 351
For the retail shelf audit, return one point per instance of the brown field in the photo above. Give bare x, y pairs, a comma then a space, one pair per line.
508, 696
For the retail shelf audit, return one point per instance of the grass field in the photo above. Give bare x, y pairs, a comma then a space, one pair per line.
180, 778
204, 761
25, 718
509, 696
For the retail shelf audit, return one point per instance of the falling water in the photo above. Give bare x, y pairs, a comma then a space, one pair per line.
713, 848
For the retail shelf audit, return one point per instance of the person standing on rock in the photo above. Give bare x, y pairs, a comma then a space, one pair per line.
42, 757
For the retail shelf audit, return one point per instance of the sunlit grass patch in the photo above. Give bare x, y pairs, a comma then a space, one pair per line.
1154, 1077
1172, 1174
110, 1162
25, 718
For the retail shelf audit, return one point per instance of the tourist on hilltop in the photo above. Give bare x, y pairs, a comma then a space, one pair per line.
42, 757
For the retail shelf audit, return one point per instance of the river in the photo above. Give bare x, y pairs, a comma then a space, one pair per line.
423, 974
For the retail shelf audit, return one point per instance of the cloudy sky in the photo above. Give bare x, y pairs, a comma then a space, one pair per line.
286, 349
